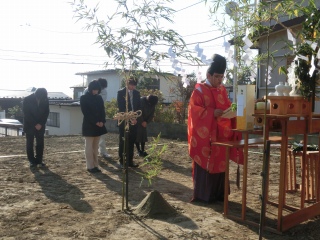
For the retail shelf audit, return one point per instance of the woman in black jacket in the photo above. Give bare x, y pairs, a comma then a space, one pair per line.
93, 127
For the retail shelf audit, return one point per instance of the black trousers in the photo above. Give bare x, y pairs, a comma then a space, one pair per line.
39, 136
131, 142
208, 187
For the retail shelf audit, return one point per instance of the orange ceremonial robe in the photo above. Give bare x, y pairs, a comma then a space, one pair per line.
204, 128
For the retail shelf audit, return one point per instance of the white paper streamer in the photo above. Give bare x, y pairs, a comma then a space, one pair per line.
147, 52
177, 69
235, 63
313, 45
226, 45
199, 77
290, 37
248, 42
186, 81
203, 58
196, 48
312, 66
245, 57
268, 76
230, 54
200, 51
303, 57
318, 54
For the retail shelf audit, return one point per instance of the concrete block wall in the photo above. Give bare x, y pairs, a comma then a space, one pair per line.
167, 130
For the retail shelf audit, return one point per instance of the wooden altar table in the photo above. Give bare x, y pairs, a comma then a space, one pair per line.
245, 144
291, 125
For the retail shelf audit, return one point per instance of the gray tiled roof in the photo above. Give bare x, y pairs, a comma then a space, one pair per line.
27, 92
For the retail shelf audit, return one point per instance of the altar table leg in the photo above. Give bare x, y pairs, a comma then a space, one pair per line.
245, 174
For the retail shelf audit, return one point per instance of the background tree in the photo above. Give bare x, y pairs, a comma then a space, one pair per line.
183, 94
15, 112
133, 38
260, 20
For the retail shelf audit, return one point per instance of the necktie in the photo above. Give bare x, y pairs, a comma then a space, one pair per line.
131, 99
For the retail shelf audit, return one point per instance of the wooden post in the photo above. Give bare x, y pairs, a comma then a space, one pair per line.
264, 193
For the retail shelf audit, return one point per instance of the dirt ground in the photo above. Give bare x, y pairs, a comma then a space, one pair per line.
64, 201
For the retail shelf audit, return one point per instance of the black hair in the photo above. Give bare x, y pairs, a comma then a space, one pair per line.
133, 81
41, 93
153, 100
103, 83
218, 65
94, 85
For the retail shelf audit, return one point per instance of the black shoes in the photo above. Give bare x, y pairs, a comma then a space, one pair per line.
35, 164
32, 165
142, 153
133, 165
94, 170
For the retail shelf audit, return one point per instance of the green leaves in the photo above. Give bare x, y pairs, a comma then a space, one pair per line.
153, 162
233, 107
133, 28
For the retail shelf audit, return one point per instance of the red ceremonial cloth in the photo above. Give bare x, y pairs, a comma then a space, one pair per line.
204, 128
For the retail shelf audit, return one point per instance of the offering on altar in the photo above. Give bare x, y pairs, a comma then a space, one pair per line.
231, 112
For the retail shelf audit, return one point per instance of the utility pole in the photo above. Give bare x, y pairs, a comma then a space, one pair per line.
232, 10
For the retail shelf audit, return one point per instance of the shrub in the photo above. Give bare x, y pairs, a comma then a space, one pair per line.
111, 108
167, 113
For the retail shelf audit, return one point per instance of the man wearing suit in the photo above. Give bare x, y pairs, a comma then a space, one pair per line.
133, 105
36, 111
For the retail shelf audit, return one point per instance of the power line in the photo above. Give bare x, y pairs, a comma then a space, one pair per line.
200, 33
120, 28
43, 61
53, 59
68, 54
82, 63
209, 39
63, 54
48, 30
190, 6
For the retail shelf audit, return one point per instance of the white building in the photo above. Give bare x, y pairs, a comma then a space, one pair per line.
64, 119
114, 78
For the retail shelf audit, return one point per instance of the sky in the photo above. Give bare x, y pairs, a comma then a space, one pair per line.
43, 45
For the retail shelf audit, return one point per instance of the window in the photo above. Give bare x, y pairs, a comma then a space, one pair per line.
53, 119
149, 83
79, 94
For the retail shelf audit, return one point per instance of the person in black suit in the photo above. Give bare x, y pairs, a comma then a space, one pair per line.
94, 118
133, 105
36, 111
148, 105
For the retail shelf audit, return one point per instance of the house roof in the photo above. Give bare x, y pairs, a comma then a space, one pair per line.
80, 85
98, 72
275, 28
27, 92
289, 23
72, 103
112, 71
